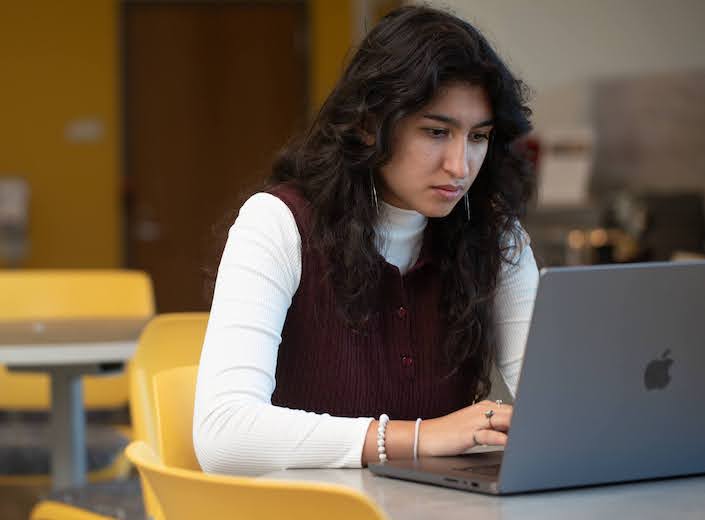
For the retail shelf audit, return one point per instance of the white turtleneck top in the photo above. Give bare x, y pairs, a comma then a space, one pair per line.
236, 429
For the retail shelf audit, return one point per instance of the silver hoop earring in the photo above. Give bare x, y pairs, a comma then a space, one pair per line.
374, 193
467, 205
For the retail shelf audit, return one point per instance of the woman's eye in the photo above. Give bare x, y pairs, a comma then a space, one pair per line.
436, 132
477, 138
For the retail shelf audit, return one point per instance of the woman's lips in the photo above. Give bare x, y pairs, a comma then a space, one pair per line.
448, 192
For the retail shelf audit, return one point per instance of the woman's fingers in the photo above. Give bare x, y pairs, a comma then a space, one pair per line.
486, 422
495, 420
499, 422
489, 438
494, 417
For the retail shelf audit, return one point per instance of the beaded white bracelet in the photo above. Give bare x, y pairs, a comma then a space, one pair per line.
416, 438
381, 431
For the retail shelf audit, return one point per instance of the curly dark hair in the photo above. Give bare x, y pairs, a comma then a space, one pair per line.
397, 70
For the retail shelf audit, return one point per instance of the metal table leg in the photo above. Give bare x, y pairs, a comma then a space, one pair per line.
68, 426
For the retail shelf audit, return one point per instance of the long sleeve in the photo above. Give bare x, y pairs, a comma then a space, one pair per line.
236, 428
514, 304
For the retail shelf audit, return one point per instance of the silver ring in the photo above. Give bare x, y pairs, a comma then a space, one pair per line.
489, 414
499, 402
474, 439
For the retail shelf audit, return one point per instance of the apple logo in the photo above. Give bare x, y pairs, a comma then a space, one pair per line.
656, 375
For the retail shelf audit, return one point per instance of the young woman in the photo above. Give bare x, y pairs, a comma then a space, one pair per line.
383, 271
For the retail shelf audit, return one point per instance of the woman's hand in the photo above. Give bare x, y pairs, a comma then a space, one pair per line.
459, 431
451, 434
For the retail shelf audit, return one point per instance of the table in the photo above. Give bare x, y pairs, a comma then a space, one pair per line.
66, 350
682, 498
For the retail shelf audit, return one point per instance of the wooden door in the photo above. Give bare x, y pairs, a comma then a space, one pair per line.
211, 91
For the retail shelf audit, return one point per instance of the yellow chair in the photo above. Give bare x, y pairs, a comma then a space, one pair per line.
179, 490
183, 491
53, 296
58, 511
187, 494
168, 341
174, 392
41, 295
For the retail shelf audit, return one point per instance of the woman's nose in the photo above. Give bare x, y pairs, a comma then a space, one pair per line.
456, 160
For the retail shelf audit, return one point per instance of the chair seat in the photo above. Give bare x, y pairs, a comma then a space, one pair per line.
24, 447
118, 499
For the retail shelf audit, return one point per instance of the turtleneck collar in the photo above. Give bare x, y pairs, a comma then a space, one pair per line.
400, 219
400, 235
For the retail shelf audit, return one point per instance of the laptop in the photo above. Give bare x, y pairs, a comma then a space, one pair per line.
612, 388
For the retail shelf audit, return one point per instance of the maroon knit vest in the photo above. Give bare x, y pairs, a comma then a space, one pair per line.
396, 366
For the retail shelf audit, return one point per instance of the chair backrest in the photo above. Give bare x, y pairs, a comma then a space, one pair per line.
174, 392
186, 494
34, 295
168, 341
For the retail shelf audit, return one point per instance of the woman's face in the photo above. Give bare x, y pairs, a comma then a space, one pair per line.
438, 151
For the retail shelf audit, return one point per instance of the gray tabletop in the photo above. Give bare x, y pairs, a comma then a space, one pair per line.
66, 350
682, 498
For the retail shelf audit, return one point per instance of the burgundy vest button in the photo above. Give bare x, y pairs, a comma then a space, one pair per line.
401, 312
407, 361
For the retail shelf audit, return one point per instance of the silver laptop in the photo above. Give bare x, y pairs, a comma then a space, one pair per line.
612, 388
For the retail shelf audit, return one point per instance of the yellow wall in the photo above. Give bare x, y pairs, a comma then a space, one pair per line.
330, 23
332, 35
58, 64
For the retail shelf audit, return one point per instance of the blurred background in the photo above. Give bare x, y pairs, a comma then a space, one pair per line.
130, 130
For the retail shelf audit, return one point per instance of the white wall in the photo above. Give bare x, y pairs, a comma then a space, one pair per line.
560, 46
